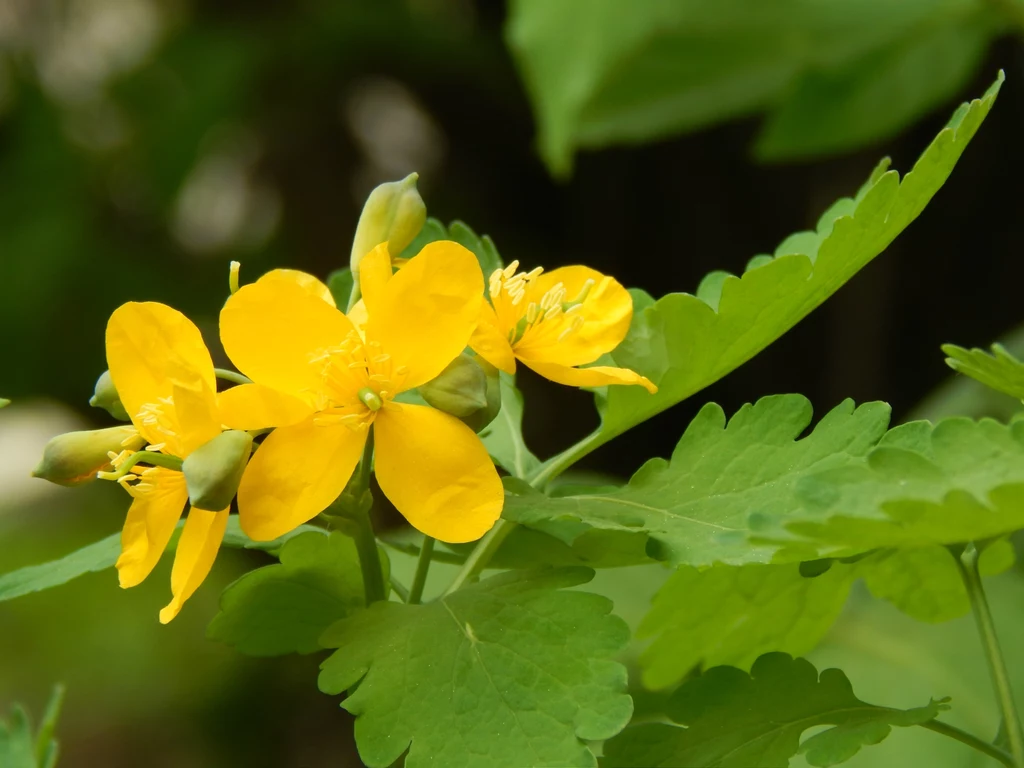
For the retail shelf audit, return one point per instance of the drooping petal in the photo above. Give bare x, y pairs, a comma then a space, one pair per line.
294, 475
254, 406
273, 332
606, 312
426, 313
374, 275
436, 472
307, 282
197, 549
198, 420
490, 343
149, 525
598, 376
146, 343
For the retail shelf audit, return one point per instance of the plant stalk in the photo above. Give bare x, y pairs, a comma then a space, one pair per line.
971, 741
365, 539
482, 553
968, 564
419, 580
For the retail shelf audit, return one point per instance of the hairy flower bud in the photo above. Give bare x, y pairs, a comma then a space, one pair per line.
214, 470
74, 458
469, 389
394, 213
105, 396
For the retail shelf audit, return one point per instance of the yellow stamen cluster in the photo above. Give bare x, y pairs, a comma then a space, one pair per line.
360, 379
508, 286
133, 480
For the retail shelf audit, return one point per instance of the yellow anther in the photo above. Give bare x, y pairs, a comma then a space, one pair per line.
510, 269
534, 273
380, 359
157, 447
553, 312
532, 313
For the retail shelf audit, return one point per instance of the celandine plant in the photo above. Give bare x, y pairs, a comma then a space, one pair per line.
402, 367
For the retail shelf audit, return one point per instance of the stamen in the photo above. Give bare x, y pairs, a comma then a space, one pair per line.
532, 313
510, 269
233, 276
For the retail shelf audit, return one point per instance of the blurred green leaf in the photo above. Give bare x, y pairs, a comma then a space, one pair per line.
952, 482
736, 720
46, 746
733, 615
4, 402
504, 436
103, 554
481, 246
833, 76
999, 369
695, 507
16, 746
284, 608
684, 343
339, 282
513, 670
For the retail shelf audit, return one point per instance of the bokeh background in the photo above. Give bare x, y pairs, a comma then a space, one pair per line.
146, 144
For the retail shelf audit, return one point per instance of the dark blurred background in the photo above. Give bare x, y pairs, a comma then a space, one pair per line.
144, 145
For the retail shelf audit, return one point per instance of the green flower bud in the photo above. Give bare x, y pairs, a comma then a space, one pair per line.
4, 402
214, 470
469, 389
74, 458
105, 396
394, 212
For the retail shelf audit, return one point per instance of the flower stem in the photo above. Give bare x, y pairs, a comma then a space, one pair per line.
364, 537
422, 567
558, 464
237, 378
399, 589
971, 741
968, 564
482, 553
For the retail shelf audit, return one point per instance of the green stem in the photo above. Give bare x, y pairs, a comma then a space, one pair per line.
482, 553
237, 378
968, 564
422, 567
558, 464
971, 741
144, 457
399, 589
365, 539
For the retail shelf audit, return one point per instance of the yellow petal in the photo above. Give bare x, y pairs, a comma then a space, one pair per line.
358, 316
294, 475
426, 313
273, 331
311, 285
197, 549
607, 312
197, 417
436, 472
254, 406
374, 275
149, 525
147, 342
598, 376
490, 343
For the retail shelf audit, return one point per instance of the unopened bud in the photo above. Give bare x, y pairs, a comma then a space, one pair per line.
469, 389
394, 213
4, 402
74, 458
214, 470
105, 396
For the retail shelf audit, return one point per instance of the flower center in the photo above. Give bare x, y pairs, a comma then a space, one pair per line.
549, 313
358, 380
128, 471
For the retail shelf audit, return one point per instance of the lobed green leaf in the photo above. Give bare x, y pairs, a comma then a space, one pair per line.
736, 720
512, 671
503, 437
481, 245
999, 369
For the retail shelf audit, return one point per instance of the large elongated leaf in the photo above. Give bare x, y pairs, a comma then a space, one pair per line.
736, 720
833, 75
103, 554
512, 671
683, 343
695, 507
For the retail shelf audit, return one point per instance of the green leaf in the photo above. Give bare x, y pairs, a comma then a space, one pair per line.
46, 745
695, 507
481, 246
103, 554
16, 744
954, 482
683, 343
284, 608
733, 615
339, 282
512, 671
736, 720
601, 72
999, 370
4, 402
504, 436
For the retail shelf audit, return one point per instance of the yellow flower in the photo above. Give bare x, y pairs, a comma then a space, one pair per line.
554, 322
164, 376
324, 385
